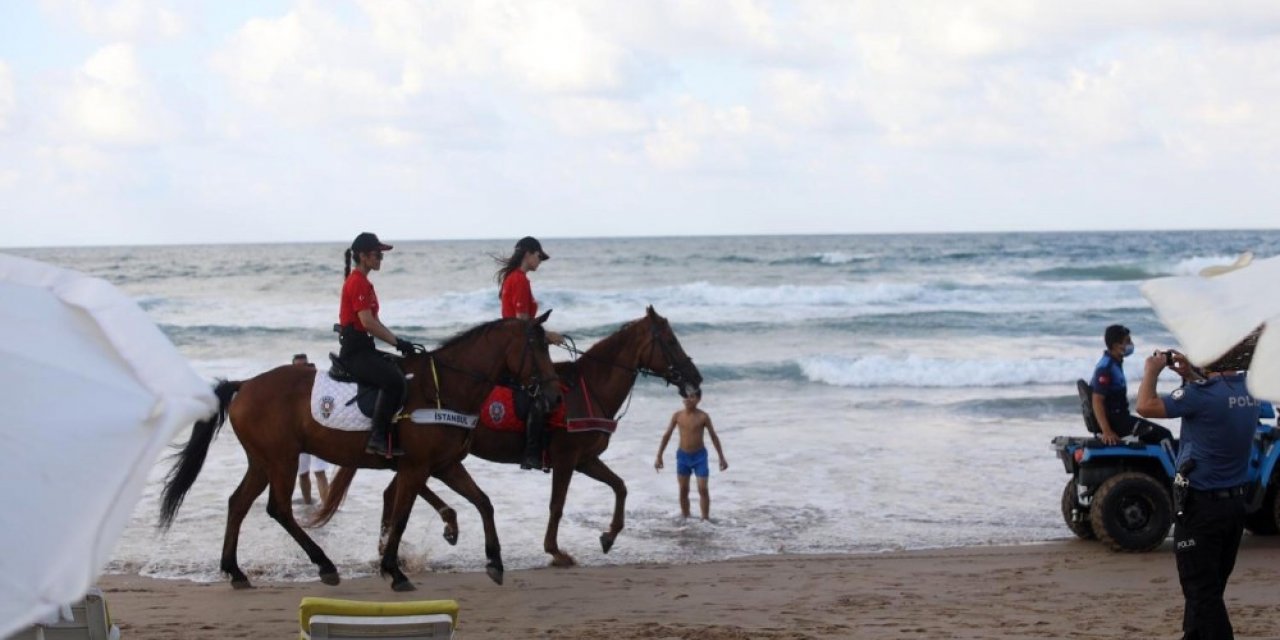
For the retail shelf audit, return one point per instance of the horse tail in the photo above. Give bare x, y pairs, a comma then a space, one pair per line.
190, 458
337, 491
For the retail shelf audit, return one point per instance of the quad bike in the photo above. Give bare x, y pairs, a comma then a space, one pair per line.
1122, 494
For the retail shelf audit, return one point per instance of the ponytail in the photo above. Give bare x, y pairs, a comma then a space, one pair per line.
347, 271
508, 265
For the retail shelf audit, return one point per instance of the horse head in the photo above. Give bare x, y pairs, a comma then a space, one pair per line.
663, 355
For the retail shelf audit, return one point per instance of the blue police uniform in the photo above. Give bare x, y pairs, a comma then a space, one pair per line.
1108, 381
1219, 418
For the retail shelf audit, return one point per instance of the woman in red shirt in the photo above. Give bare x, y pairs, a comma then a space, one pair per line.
518, 302
515, 292
358, 318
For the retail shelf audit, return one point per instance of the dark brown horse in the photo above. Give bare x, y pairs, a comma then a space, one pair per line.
608, 370
271, 415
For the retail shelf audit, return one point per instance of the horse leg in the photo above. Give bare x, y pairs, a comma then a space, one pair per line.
561, 474
388, 496
447, 514
407, 481
458, 479
281, 494
595, 468
238, 505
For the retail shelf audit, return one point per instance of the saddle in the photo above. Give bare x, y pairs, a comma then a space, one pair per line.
366, 394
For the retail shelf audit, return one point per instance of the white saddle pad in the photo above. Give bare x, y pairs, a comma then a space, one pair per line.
329, 407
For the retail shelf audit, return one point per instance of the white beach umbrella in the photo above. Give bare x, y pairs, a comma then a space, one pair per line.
91, 392
1212, 312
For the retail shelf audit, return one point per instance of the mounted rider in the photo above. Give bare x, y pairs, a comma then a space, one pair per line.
358, 325
518, 302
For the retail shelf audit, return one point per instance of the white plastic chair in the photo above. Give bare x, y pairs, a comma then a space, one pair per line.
87, 619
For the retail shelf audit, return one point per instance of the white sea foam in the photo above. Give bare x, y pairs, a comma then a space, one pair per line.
841, 257
918, 371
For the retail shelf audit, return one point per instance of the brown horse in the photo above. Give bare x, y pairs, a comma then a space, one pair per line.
608, 370
271, 415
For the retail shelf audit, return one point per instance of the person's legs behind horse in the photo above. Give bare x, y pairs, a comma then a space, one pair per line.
374, 368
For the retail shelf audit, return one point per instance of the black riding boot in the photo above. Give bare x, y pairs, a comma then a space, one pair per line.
381, 438
533, 430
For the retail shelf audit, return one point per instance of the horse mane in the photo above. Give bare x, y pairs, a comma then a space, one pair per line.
607, 349
468, 334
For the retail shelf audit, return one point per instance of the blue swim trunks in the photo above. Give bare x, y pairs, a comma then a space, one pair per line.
692, 463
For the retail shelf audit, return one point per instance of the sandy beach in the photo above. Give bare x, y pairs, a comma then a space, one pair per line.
1056, 590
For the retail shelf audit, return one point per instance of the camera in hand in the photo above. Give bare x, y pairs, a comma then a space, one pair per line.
1168, 357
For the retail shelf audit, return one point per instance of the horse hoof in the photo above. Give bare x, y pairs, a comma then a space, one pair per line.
563, 560
606, 542
451, 536
495, 574
403, 585
241, 584
331, 579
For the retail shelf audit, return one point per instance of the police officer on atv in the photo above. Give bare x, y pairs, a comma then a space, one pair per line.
1111, 394
1219, 418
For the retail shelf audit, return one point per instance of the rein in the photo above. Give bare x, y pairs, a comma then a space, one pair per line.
533, 387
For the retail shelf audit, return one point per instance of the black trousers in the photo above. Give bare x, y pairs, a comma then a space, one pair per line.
1128, 424
1206, 541
371, 366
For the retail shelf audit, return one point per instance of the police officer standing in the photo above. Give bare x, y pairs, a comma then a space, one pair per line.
1219, 418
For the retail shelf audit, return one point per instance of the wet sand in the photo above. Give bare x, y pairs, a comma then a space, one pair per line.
1069, 589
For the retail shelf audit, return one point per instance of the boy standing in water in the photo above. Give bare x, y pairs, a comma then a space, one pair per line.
691, 455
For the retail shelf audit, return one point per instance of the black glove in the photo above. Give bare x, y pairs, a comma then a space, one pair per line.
404, 346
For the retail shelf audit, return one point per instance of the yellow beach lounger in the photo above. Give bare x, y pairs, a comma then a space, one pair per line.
84, 620
332, 619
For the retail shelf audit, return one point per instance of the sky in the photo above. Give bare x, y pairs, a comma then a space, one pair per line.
153, 122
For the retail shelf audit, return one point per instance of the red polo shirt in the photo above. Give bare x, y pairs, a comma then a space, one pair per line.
517, 296
357, 296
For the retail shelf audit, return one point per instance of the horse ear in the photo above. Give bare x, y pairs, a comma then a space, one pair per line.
650, 312
542, 318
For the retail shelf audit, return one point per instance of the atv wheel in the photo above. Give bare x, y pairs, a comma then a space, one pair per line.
1266, 520
1131, 512
1082, 527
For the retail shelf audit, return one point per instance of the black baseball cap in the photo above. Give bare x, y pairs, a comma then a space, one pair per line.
531, 244
1115, 334
368, 242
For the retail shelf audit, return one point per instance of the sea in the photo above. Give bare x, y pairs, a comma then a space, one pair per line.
872, 392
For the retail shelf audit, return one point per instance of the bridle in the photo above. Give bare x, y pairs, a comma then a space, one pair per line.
675, 366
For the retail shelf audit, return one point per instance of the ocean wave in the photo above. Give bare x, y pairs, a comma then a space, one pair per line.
924, 372
1020, 407
1101, 272
825, 258
1193, 265
1134, 271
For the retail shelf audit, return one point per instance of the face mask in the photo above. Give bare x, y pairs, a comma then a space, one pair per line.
1128, 350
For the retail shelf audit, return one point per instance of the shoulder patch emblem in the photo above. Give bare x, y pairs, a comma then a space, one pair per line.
1178, 393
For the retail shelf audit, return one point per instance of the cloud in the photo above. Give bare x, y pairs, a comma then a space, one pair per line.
8, 96
111, 101
127, 20
681, 141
